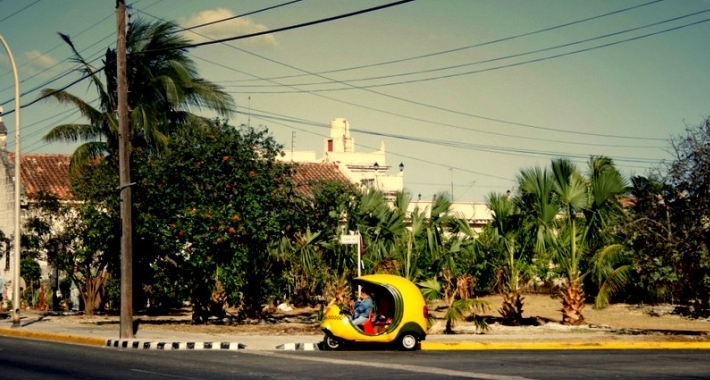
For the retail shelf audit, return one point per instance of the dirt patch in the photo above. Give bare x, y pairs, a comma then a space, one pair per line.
544, 310
616, 316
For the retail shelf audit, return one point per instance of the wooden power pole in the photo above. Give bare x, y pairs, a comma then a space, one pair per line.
126, 330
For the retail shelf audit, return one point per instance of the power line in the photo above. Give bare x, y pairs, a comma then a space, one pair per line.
399, 154
98, 70
46, 83
53, 92
636, 137
291, 27
368, 88
421, 104
476, 45
363, 11
28, 147
18, 11
402, 99
401, 74
56, 47
241, 15
459, 144
69, 112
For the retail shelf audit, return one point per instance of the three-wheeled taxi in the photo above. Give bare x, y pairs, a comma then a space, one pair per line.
399, 315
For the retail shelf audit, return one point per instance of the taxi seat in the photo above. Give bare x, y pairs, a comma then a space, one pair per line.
368, 327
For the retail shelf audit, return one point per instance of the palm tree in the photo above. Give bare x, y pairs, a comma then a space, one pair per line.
506, 228
380, 225
457, 295
572, 215
301, 257
163, 88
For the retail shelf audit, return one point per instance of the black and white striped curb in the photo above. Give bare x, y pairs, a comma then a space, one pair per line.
299, 347
149, 345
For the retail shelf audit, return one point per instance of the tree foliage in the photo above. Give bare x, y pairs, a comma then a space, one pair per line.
217, 200
671, 229
164, 89
572, 215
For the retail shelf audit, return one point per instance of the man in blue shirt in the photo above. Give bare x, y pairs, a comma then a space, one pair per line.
362, 308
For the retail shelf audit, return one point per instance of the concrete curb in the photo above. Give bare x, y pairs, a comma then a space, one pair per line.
53, 337
475, 346
151, 345
298, 347
425, 346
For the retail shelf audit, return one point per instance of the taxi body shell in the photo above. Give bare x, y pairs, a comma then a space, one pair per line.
400, 315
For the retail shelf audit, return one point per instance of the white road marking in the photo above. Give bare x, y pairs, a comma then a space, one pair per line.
401, 367
164, 374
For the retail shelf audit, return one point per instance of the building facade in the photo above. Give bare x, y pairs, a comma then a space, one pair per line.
370, 170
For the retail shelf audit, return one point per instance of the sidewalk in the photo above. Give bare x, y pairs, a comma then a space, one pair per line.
540, 338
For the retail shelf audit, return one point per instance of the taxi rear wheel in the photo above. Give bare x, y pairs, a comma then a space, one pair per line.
331, 343
408, 342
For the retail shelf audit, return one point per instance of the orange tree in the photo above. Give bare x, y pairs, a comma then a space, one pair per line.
212, 205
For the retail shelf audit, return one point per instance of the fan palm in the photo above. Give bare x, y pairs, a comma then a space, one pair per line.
506, 228
379, 224
572, 214
457, 295
163, 88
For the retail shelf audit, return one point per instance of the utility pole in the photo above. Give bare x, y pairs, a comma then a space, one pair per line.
126, 329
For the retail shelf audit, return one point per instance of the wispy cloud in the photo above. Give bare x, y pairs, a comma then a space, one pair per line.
231, 28
43, 64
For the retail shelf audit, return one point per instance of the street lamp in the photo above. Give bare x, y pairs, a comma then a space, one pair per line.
377, 166
16, 263
401, 166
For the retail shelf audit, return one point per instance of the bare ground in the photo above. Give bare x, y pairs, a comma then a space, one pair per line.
542, 311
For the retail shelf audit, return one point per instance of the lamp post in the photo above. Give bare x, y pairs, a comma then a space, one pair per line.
16, 262
451, 170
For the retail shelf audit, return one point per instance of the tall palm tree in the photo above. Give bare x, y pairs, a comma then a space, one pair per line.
164, 87
380, 225
572, 214
506, 228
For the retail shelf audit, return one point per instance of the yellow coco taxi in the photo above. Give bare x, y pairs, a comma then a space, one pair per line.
399, 315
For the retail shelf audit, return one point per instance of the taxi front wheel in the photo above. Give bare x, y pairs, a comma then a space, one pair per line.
408, 342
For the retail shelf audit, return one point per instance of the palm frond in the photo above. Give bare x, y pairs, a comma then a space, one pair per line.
461, 309
72, 133
94, 115
86, 154
614, 282
431, 289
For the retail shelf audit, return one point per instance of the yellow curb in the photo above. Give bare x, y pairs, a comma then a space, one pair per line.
471, 346
52, 336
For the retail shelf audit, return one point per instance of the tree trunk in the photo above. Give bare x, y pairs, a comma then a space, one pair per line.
512, 308
572, 304
449, 328
201, 302
91, 292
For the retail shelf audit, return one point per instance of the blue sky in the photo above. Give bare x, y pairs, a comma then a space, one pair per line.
463, 92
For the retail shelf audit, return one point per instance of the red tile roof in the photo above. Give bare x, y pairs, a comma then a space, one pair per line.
45, 172
309, 173
50, 173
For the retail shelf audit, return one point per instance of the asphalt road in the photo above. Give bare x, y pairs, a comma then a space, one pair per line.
32, 359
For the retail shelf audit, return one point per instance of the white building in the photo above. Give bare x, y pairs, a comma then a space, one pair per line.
370, 169
7, 208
